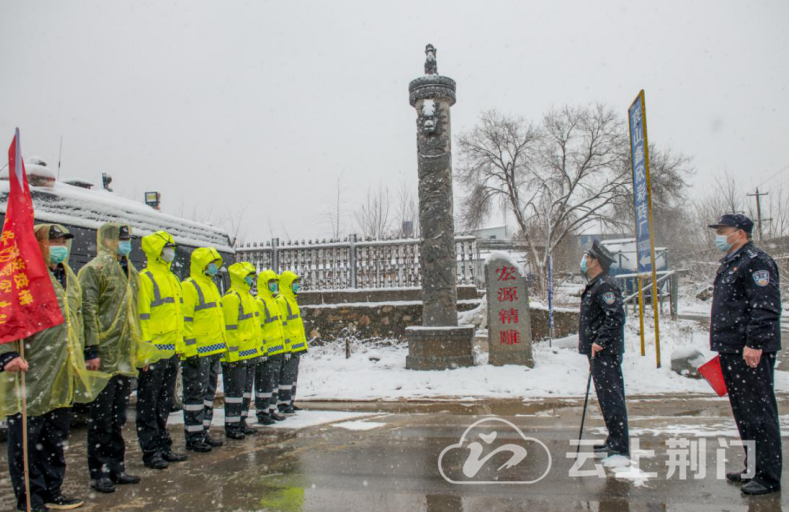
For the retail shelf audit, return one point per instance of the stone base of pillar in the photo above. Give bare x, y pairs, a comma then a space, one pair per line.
523, 358
439, 348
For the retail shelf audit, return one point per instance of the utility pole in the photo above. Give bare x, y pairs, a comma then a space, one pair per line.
759, 219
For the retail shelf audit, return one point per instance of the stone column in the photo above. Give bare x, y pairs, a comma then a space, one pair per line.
440, 343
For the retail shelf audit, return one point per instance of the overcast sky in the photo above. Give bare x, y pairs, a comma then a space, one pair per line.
222, 104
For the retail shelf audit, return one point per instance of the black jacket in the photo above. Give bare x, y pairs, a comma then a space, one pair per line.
746, 303
602, 317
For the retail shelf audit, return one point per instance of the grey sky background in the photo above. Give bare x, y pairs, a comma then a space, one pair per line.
223, 104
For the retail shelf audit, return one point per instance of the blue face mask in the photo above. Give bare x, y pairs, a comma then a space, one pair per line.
583, 265
250, 280
296, 287
211, 269
273, 288
124, 247
722, 243
58, 254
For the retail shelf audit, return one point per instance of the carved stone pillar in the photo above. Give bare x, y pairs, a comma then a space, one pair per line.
440, 343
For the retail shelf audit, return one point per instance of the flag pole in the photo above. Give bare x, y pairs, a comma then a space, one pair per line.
25, 452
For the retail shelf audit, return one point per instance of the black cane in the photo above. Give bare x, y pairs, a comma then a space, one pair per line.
586, 402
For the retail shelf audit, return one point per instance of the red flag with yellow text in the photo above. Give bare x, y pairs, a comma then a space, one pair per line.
27, 300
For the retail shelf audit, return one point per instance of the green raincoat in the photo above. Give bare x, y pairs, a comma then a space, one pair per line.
270, 318
57, 376
109, 306
292, 323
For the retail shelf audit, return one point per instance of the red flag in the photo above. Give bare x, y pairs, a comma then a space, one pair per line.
28, 303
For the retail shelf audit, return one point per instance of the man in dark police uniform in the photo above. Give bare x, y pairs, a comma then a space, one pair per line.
746, 331
601, 339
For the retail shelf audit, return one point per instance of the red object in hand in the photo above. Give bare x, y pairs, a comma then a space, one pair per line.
711, 371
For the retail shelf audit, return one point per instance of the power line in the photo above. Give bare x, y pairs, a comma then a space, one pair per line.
774, 175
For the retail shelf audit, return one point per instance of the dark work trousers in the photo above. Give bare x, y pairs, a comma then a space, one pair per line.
155, 395
234, 380
297, 356
752, 398
46, 435
106, 448
199, 377
287, 376
266, 385
609, 384
249, 387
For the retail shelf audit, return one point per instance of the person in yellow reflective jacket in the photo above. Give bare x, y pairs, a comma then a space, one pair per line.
243, 340
267, 374
295, 339
110, 285
162, 325
56, 377
205, 342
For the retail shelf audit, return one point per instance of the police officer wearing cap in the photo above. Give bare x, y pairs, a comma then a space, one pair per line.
601, 339
745, 329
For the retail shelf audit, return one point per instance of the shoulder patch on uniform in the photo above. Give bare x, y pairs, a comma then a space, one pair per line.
761, 277
609, 298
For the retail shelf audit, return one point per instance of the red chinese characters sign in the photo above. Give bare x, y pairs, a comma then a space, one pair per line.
27, 300
509, 326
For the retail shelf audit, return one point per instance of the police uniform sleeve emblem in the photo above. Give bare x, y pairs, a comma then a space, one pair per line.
761, 277
609, 298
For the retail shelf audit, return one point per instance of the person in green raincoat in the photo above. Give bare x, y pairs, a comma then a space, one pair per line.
110, 285
295, 340
56, 377
162, 325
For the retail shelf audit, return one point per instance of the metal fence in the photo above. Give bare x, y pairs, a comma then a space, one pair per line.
354, 264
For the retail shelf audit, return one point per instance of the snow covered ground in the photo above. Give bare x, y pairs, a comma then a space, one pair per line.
377, 372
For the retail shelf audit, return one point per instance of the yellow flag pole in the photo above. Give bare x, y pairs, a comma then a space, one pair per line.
655, 305
25, 452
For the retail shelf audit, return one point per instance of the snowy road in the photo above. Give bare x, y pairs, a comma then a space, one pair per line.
383, 457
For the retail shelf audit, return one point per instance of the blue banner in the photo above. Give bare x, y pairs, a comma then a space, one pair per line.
641, 190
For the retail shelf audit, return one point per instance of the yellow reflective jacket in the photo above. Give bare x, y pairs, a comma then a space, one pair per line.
292, 323
161, 319
109, 306
204, 320
270, 318
57, 376
241, 315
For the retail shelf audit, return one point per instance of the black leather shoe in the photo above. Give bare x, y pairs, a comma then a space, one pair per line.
235, 434
103, 484
63, 503
124, 478
156, 462
214, 443
737, 478
265, 420
248, 431
199, 447
171, 456
277, 417
754, 488
42, 508
287, 410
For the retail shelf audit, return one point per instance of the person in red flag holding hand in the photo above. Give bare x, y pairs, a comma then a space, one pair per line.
56, 377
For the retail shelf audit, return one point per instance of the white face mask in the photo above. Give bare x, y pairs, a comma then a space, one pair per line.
168, 254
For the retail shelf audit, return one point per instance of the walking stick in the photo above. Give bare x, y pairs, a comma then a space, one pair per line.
586, 402
25, 455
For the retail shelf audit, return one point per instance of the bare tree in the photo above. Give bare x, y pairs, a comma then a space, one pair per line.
557, 179
373, 216
407, 211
